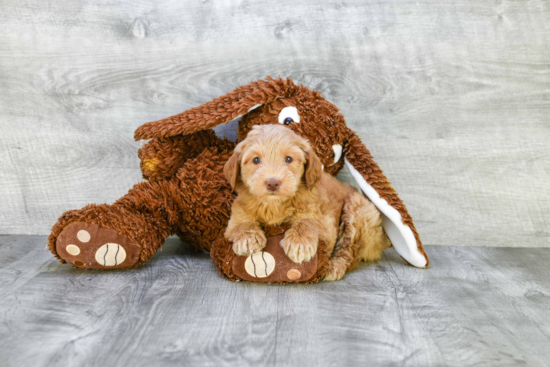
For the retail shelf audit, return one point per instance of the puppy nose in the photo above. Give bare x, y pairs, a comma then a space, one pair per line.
273, 183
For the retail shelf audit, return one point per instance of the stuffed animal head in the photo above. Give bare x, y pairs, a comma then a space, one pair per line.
271, 101
272, 163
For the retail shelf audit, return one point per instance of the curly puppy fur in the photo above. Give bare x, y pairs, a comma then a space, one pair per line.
280, 180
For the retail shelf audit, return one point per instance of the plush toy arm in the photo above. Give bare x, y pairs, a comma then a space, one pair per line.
397, 222
162, 157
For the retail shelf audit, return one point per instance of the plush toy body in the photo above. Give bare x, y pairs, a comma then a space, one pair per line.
194, 204
188, 195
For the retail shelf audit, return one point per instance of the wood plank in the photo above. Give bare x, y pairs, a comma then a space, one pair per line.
482, 306
474, 306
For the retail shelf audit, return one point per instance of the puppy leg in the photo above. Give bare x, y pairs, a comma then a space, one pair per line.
301, 240
244, 231
247, 238
371, 236
345, 251
362, 237
337, 268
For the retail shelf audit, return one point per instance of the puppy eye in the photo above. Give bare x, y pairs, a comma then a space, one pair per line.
288, 159
289, 115
256, 160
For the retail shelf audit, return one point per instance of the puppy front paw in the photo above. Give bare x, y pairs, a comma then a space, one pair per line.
249, 242
299, 247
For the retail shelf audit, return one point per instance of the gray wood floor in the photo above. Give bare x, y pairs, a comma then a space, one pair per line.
482, 306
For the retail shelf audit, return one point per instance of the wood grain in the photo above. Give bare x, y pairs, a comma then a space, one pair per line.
452, 98
474, 306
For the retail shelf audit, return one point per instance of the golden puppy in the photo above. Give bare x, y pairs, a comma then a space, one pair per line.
279, 179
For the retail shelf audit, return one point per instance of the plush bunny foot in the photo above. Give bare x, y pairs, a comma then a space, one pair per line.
89, 246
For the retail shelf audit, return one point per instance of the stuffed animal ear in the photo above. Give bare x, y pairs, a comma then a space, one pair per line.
220, 110
396, 221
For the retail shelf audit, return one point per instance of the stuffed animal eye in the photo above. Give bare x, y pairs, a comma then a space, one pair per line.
256, 160
288, 159
289, 115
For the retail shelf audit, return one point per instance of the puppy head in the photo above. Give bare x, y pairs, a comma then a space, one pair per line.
310, 116
272, 163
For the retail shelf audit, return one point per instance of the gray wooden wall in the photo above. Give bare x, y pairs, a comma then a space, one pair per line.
451, 97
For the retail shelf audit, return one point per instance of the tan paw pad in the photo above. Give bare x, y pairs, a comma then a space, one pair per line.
294, 274
73, 250
260, 264
83, 236
110, 254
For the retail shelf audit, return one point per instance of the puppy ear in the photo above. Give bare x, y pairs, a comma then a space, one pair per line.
231, 169
314, 168
220, 110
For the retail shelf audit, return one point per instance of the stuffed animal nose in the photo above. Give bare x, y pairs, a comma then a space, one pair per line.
273, 183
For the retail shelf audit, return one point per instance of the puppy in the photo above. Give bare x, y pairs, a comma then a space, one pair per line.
279, 179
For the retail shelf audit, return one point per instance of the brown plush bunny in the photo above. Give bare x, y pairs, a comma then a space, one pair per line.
188, 195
